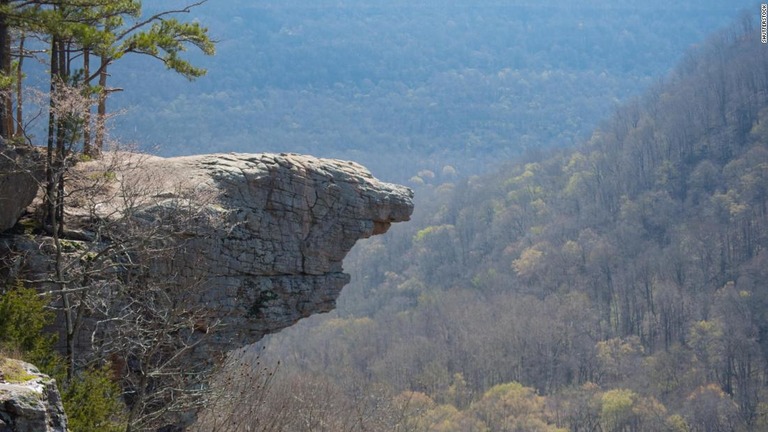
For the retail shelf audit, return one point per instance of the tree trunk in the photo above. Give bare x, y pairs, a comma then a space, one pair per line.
87, 149
54, 193
19, 95
5, 59
50, 170
61, 151
101, 113
7, 92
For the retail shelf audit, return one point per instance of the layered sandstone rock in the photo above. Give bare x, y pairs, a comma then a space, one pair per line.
263, 235
279, 227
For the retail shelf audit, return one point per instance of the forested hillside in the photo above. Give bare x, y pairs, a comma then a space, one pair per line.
407, 86
617, 286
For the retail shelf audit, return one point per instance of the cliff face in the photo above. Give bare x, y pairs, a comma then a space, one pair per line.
20, 176
166, 265
267, 247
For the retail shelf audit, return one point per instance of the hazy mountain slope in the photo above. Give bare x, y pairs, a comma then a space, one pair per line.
627, 272
405, 86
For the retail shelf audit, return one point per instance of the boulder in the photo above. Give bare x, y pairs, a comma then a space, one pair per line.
29, 400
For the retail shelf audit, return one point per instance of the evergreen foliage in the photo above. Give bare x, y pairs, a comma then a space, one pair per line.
93, 402
23, 316
92, 399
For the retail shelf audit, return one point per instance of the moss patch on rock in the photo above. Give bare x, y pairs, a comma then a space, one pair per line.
13, 372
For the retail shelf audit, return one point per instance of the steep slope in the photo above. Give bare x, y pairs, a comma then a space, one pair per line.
631, 267
449, 82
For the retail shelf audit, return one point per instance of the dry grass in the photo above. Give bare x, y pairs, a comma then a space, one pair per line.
13, 372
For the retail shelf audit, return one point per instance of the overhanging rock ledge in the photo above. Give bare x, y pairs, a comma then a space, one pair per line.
276, 227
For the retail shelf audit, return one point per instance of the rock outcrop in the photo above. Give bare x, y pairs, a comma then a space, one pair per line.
29, 400
168, 264
260, 237
20, 175
269, 250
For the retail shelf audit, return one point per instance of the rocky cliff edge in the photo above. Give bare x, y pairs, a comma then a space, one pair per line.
276, 227
257, 239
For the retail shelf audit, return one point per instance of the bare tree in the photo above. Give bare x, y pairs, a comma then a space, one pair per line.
123, 230
254, 395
